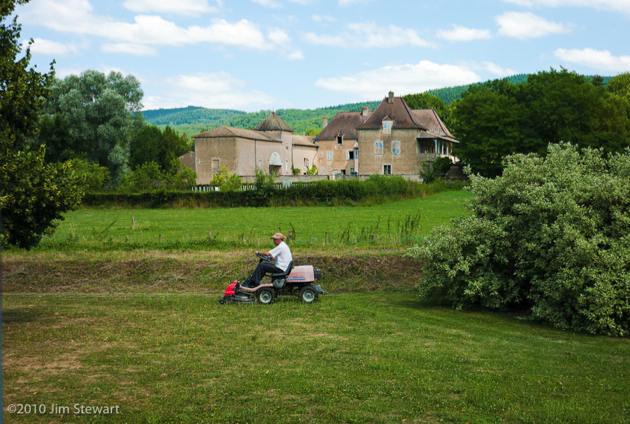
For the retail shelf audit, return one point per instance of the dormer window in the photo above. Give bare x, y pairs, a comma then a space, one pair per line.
387, 127
339, 139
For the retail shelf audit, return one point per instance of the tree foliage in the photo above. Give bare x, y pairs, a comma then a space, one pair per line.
33, 195
102, 114
150, 144
150, 177
227, 181
499, 118
550, 235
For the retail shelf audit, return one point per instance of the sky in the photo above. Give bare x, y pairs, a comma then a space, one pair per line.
253, 55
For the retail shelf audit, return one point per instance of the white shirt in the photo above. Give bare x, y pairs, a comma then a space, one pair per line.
282, 253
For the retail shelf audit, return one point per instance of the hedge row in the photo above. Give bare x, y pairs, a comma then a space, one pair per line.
345, 192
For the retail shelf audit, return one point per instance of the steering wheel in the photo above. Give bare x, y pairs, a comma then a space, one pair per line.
263, 257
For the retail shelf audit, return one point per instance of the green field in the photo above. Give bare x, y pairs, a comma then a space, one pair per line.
234, 227
354, 358
92, 320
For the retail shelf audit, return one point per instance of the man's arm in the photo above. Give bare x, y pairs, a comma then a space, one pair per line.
267, 254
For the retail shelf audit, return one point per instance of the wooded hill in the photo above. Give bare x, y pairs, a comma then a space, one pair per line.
193, 119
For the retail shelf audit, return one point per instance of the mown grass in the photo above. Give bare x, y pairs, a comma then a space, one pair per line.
362, 357
401, 223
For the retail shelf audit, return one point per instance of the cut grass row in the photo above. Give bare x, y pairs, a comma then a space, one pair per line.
401, 223
367, 357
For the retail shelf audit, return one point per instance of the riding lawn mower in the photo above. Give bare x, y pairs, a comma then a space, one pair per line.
297, 280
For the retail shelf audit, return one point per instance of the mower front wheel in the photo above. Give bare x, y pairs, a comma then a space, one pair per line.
308, 294
265, 296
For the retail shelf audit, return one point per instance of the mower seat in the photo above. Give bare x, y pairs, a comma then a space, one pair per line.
283, 274
278, 279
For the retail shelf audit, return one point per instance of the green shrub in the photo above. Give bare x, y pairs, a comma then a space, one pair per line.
96, 176
442, 166
552, 235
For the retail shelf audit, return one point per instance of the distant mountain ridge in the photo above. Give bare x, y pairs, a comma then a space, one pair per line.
194, 119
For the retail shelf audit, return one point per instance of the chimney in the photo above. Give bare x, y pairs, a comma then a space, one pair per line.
365, 111
390, 97
325, 123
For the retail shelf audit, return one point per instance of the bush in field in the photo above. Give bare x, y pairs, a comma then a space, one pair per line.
551, 235
442, 166
96, 176
226, 181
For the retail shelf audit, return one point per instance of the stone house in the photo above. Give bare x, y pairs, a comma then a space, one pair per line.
271, 147
338, 143
391, 140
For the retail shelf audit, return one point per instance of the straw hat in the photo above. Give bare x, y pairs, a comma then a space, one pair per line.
278, 236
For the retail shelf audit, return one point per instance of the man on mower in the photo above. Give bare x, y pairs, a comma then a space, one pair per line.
281, 254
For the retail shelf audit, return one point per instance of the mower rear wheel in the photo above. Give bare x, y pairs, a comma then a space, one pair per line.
308, 294
265, 296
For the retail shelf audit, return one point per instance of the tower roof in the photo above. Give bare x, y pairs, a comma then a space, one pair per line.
273, 123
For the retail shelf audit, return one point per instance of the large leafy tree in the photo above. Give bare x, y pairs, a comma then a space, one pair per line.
150, 144
33, 195
488, 125
102, 112
500, 118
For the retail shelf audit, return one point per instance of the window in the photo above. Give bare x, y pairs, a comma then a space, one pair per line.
387, 169
306, 163
350, 155
378, 148
216, 168
339, 139
352, 171
387, 127
329, 155
396, 147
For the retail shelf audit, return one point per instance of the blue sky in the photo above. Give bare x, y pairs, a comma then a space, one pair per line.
273, 54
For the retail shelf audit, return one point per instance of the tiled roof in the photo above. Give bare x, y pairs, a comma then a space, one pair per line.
345, 123
273, 123
222, 132
398, 111
430, 119
303, 140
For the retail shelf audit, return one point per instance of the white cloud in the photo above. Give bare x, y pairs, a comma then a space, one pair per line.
614, 5
279, 37
459, 33
212, 90
296, 55
489, 67
497, 70
134, 49
51, 48
180, 7
267, 3
75, 16
323, 18
601, 60
524, 25
369, 35
402, 79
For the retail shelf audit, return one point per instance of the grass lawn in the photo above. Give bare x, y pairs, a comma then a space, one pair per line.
105, 229
352, 357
